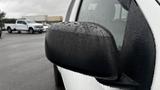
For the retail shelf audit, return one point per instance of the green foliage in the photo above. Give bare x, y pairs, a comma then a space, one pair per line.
2, 15
9, 20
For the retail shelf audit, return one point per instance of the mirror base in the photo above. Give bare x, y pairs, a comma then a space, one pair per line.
123, 82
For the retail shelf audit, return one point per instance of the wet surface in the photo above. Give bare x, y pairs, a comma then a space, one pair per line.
23, 65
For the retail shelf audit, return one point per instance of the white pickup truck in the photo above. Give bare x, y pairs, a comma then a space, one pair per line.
24, 25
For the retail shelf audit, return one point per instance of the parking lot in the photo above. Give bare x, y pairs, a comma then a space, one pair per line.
23, 65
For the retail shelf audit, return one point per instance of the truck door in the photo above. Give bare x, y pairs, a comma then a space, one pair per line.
21, 25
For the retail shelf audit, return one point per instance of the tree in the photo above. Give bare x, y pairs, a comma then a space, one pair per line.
9, 20
2, 15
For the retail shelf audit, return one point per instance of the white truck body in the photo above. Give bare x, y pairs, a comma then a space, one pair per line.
12, 26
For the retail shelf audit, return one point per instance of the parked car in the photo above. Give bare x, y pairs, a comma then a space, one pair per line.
107, 45
24, 25
46, 27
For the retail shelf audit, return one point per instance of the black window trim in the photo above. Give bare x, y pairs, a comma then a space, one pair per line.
79, 8
158, 2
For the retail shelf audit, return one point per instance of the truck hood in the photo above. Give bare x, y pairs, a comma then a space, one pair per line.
35, 24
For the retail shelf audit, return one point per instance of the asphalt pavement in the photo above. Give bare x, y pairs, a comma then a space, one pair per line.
23, 65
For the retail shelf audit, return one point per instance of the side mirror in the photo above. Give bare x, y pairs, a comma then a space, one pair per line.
87, 48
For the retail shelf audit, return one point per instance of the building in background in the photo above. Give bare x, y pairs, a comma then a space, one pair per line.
52, 19
45, 18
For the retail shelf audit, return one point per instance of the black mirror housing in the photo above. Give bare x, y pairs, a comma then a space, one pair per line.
83, 47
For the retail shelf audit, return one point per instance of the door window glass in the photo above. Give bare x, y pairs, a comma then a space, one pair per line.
108, 13
19, 22
24, 23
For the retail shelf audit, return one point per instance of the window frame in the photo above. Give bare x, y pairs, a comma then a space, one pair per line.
79, 9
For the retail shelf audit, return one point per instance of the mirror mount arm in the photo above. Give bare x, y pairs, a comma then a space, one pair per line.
123, 81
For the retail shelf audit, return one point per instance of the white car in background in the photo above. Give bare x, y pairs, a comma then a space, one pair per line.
107, 45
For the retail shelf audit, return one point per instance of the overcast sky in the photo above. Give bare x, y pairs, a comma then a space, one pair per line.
18, 8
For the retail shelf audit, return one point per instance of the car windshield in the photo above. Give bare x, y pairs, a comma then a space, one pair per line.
108, 13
